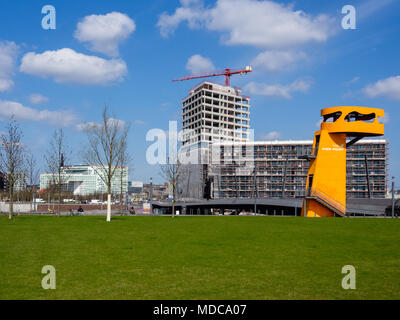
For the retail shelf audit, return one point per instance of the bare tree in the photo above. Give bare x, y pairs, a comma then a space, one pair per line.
32, 170
32, 176
56, 157
106, 142
12, 158
174, 172
125, 161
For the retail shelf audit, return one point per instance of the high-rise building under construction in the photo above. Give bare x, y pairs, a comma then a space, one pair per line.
210, 113
213, 113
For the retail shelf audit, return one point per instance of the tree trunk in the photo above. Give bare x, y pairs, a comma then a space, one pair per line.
11, 205
173, 200
59, 201
108, 207
120, 196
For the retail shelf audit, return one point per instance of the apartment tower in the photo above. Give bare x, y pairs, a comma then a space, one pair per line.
214, 113
211, 113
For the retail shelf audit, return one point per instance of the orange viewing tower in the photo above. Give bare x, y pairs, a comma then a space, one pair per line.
326, 180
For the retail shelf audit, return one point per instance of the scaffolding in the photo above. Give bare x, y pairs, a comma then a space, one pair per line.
278, 171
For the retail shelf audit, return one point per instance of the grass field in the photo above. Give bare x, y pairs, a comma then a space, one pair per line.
199, 257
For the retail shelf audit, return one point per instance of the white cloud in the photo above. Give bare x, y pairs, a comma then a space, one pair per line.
66, 65
273, 135
104, 33
190, 2
118, 122
278, 90
191, 11
385, 119
37, 98
5, 84
140, 122
63, 118
90, 125
277, 60
8, 54
267, 24
86, 126
350, 82
389, 87
249, 22
198, 64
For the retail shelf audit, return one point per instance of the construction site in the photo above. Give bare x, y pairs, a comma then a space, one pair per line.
232, 166
279, 170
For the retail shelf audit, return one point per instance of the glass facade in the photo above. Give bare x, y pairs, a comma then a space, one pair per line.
85, 180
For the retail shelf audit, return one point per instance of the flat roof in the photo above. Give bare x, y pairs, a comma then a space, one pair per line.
358, 206
291, 142
234, 91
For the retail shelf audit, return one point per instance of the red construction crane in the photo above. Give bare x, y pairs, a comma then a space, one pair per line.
226, 72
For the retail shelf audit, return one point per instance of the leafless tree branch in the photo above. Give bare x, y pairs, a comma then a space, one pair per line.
12, 157
106, 142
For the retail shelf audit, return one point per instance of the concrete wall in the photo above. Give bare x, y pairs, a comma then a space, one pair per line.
18, 207
27, 207
86, 207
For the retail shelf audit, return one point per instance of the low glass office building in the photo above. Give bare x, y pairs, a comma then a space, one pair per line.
85, 180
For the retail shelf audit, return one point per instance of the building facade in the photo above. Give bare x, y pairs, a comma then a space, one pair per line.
135, 187
274, 169
215, 116
213, 112
19, 181
210, 113
3, 182
86, 180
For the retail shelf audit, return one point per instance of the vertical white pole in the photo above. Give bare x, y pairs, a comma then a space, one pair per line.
392, 197
108, 207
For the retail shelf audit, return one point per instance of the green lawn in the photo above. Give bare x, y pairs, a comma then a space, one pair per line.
199, 257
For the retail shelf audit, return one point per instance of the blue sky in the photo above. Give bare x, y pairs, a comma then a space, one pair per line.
302, 62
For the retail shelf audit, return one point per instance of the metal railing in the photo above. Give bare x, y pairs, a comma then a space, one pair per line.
314, 193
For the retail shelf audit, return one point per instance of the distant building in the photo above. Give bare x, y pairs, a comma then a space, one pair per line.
158, 191
20, 181
396, 194
275, 170
85, 180
2, 181
19, 184
135, 187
